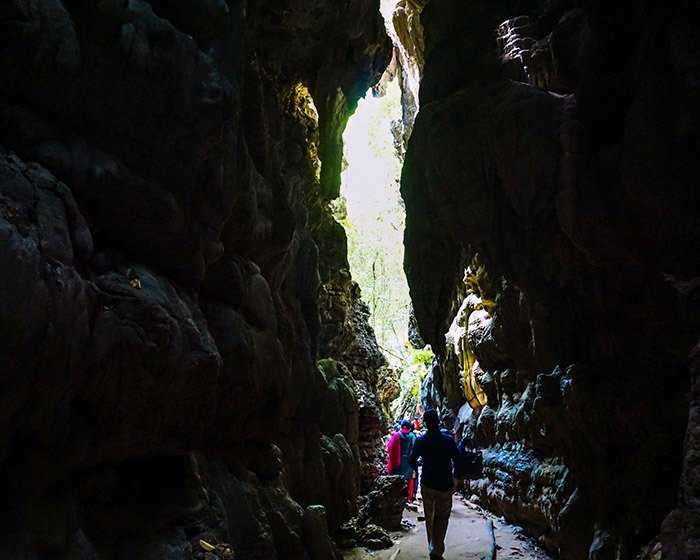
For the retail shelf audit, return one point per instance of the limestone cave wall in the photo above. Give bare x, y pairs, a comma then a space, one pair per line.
170, 277
553, 256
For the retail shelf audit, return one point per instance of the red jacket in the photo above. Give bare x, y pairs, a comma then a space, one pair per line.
393, 452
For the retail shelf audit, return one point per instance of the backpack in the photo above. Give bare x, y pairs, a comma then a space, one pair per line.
469, 463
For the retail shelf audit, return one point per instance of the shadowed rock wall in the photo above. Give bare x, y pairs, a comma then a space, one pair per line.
161, 211
557, 154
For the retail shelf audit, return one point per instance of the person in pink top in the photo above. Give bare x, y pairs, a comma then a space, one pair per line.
399, 449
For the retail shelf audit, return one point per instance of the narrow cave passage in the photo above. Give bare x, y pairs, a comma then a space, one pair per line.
371, 211
373, 214
192, 366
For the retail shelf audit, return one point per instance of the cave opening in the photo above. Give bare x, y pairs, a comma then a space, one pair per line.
372, 212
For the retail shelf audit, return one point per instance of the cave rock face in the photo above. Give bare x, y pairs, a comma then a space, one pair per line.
164, 239
557, 145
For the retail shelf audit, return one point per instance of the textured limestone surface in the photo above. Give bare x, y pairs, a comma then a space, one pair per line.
553, 256
166, 264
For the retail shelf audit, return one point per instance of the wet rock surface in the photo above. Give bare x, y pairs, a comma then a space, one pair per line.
163, 242
549, 150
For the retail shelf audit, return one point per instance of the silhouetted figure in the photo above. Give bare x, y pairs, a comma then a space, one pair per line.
469, 464
438, 453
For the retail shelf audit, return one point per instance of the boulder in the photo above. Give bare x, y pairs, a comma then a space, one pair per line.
384, 504
316, 537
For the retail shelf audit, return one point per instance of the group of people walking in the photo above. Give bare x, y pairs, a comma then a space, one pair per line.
442, 463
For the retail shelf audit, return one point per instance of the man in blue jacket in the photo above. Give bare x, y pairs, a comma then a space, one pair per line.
439, 454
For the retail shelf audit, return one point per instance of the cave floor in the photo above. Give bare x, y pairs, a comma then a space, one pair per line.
467, 538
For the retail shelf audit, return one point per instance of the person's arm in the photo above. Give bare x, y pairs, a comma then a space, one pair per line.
458, 462
454, 452
415, 454
454, 456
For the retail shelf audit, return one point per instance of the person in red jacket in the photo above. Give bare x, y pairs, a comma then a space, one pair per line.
417, 425
399, 448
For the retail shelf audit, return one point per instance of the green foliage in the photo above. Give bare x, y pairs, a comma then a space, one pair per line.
423, 356
414, 370
373, 215
371, 211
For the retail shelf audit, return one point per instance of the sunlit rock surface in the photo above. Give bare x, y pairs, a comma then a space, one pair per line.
404, 26
561, 148
162, 248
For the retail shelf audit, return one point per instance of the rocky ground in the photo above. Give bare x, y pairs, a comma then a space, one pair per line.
468, 538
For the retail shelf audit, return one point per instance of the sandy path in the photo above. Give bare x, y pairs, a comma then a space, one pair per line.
467, 539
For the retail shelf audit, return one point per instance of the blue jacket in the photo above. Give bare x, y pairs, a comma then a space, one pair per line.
439, 453
407, 442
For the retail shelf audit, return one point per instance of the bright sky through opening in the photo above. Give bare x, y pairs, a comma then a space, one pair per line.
376, 216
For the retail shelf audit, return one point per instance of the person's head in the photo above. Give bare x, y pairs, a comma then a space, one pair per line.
431, 420
406, 426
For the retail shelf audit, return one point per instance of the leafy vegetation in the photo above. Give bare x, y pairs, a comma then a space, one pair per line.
412, 375
373, 215
372, 212
419, 361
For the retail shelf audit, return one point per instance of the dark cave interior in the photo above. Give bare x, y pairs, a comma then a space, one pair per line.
184, 355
